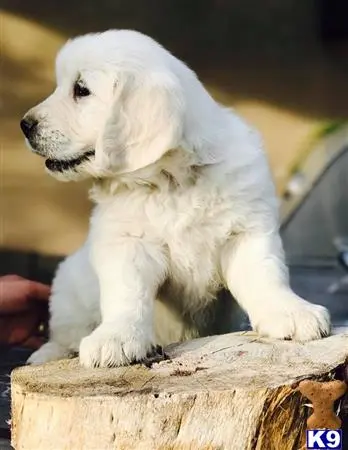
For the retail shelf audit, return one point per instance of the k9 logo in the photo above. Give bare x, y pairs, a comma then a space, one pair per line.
324, 439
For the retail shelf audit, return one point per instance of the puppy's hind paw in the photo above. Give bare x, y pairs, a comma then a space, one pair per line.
49, 352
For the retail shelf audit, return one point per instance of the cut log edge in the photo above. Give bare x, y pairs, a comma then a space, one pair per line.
241, 359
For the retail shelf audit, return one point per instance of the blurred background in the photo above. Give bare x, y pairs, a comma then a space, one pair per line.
281, 64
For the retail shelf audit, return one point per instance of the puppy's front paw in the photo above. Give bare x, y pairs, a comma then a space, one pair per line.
50, 351
294, 318
108, 346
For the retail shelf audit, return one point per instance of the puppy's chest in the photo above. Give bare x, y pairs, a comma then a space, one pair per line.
191, 228
193, 259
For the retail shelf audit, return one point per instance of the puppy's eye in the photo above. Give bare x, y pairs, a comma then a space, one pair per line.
80, 90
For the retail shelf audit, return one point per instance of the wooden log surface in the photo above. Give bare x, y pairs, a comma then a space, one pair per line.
233, 392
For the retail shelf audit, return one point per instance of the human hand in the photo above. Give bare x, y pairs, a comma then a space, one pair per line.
23, 309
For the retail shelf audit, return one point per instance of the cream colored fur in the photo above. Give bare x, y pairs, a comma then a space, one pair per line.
185, 206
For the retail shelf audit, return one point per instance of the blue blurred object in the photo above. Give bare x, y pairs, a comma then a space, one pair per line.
343, 259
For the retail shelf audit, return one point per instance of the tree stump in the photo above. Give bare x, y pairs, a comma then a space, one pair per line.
233, 392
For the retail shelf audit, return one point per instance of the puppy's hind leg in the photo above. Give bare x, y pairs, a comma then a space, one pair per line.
50, 351
74, 309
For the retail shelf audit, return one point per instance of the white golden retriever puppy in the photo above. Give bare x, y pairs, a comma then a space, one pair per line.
185, 206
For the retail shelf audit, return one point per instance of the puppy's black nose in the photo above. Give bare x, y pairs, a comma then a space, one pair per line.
28, 125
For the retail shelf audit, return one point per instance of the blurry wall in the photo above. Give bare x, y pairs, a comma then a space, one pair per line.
37, 213
267, 59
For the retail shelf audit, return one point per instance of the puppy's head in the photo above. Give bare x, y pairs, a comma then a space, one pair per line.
118, 106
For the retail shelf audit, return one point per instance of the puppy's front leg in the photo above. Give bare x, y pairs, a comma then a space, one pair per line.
129, 273
255, 273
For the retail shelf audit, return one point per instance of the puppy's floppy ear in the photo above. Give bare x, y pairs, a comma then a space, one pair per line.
146, 120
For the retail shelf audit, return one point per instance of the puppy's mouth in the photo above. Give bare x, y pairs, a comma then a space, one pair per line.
62, 165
